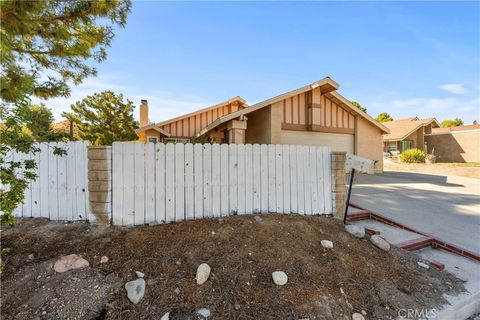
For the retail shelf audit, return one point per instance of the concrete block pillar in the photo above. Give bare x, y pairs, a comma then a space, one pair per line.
236, 131
100, 183
339, 187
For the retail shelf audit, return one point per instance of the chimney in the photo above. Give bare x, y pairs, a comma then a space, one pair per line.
143, 113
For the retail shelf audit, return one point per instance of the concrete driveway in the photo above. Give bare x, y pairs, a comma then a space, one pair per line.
445, 206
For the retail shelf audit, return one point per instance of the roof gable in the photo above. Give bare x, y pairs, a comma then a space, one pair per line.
328, 87
402, 128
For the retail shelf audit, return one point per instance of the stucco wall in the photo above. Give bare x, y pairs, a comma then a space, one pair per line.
455, 147
258, 127
369, 142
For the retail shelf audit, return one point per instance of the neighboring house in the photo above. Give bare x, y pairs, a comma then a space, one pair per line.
315, 114
456, 144
407, 134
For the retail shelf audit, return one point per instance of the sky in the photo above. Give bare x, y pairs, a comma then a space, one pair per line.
408, 59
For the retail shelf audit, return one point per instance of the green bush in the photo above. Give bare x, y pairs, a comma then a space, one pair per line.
412, 156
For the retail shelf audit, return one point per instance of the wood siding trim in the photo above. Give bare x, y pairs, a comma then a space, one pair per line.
295, 127
318, 128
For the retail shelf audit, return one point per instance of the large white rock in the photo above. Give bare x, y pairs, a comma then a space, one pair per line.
356, 231
279, 278
166, 316
327, 244
379, 242
357, 316
135, 290
205, 313
70, 262
203, 272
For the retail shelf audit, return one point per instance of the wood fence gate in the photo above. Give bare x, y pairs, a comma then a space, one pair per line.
60, 191
162, 183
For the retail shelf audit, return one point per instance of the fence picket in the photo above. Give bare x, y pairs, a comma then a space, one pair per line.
169, 182
279, 178
272, 205
189, 187
160, 216
207, 180
233, 182
117, 183
286, 178
216, 176
293, 180
36, 199
62, 183
224, 180
179, 182
248, 179
256, 170
264, 205
128, 185
150, 183
241, 178
198, 179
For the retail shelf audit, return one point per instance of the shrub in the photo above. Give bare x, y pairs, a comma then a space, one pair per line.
412, 156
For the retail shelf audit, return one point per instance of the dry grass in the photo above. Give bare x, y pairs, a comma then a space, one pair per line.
470, 170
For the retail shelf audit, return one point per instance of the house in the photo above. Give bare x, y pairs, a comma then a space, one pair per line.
407, 134
456, 144
315, 114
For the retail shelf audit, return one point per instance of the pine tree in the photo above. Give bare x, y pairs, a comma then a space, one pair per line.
359, 106
46, 46
104, 118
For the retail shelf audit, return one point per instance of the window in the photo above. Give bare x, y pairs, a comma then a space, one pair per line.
407, 144
153, 139
391, 146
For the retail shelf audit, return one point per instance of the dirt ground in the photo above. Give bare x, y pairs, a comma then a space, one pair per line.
470, 170
242, 252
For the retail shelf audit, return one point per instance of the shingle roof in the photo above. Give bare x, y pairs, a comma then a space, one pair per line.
459, 128
400, 129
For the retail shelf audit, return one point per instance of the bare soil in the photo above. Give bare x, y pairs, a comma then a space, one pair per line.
242, 252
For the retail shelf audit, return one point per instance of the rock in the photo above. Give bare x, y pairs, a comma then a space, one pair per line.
203, 272
423, 265
364, 313
258, 219
140, 274
327, 244
279, 278
356, 231
237, 306
357, 316
135, 290
70, 262
104, 259
177, 291
31, 256
205, 313
379, 242
166, 316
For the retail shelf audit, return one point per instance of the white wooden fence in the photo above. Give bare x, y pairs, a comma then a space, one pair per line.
161, 183
61, 190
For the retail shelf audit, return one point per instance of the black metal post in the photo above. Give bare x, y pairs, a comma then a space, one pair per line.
348, 196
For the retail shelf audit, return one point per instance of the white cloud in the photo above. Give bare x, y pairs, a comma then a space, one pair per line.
448, 108
163, 105
455, 88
